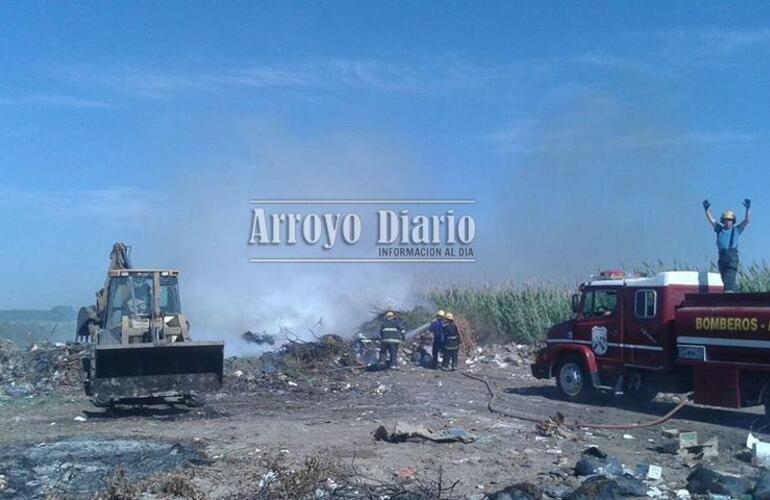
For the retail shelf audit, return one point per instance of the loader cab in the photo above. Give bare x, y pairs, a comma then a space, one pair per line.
138, 302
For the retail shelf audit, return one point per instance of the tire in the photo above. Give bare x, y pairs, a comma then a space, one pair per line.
573, 380
193, 401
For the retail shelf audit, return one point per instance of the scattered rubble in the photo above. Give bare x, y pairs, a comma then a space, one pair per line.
519, 491
705, 481
594, 461
402, 432
39, 369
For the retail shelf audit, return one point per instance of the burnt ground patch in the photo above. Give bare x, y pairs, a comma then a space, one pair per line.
80, 467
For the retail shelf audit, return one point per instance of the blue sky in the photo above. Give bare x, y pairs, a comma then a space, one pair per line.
589, 132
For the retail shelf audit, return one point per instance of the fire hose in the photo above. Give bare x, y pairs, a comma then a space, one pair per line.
531, 418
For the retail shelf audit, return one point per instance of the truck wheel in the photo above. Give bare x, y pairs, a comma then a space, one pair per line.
193, 401
573, 380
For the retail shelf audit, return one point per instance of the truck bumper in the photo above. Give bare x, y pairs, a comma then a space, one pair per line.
540, 371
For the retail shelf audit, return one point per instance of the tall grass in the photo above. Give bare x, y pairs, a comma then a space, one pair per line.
523, 312
507, 312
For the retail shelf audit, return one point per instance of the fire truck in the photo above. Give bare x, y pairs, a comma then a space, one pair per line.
676, 332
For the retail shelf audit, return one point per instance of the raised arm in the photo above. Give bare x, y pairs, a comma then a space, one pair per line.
709, 217
745, 221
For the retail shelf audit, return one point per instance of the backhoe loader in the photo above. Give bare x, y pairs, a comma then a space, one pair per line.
140, 350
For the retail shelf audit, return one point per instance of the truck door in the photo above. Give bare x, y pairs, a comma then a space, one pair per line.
599, 323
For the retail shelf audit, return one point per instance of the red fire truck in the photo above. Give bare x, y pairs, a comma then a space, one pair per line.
673, 332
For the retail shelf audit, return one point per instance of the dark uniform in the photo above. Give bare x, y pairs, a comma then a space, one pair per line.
436, 328
451, 345
727, 243
391, 334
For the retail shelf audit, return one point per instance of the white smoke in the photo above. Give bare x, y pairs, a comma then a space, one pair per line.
206, 226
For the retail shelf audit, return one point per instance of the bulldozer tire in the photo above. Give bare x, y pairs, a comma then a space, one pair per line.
102, 403
193, 401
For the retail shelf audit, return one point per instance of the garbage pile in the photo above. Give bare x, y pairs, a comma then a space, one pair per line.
501, 356
39, 369
298, 359
293, 361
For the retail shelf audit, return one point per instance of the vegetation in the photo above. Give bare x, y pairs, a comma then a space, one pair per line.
507, 312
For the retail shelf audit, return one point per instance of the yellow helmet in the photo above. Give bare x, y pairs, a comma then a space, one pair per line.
440, 313
449, 317
728, 214
390, 315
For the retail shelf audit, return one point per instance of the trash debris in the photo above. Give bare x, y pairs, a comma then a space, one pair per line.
80, 418
596, 462
688, 439
403, 431
703, 481
39, 369
553, 426
760, 451
597, 487
649, 471
631, 486
19, 391
405, 473
258, 338
670, 433
687, 449
519, 491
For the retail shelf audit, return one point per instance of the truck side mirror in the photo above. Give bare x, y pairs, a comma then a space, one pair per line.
574, 302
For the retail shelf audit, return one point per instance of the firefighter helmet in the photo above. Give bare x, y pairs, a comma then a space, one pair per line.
728, 215
390, 315
440, 313
449, 317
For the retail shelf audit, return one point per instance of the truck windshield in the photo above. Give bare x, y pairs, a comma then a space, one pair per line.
599, 303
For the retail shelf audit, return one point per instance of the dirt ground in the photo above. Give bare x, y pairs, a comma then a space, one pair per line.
334, 416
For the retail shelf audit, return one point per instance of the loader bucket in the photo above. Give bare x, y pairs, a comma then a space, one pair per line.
141, 371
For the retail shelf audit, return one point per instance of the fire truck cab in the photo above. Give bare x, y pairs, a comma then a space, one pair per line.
622, 338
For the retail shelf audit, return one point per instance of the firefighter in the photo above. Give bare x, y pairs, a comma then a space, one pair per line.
436, 328
451, 342
391, 335
728, 233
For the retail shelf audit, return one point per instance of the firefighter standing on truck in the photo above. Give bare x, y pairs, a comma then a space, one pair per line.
436, 329
391, 335
451, 343
728, 234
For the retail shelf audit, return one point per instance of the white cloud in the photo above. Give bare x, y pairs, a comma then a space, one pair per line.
436, 75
